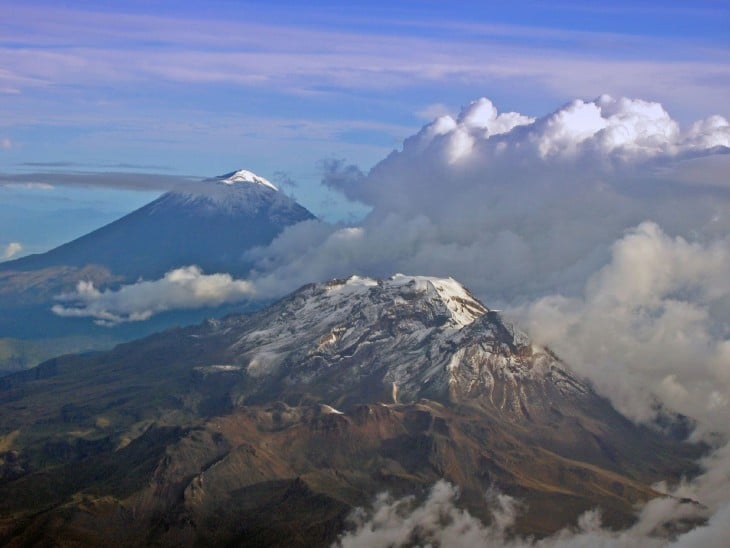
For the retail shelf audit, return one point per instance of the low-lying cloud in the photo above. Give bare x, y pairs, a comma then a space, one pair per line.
435, 522
439, 522
186, 287
10, 250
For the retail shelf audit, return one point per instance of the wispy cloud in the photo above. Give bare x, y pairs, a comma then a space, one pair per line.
102, 47
373, 62
94, 179
273, 89
434, 110
92, 165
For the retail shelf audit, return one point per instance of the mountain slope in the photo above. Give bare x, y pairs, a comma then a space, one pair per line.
307, 409
209, 223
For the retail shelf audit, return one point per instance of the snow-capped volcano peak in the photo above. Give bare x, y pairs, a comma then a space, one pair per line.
461, 305
245, 176
236, 193
420, 336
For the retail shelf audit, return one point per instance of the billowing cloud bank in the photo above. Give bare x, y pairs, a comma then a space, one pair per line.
185, 287
517, 208
652, 323
603, 227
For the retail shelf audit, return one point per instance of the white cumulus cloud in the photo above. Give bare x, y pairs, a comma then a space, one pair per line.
653, 322
518, 208
186, 287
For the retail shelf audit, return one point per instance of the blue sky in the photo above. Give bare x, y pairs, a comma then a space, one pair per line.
202, 88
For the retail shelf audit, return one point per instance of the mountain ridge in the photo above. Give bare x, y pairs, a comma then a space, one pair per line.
308, 409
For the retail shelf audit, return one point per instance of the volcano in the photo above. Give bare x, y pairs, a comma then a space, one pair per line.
210, 224
269, 428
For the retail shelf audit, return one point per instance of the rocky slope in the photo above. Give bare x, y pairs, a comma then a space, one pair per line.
269, 428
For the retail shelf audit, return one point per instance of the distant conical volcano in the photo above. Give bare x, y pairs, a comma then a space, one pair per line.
208, 223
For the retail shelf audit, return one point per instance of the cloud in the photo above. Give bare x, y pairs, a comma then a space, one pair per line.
95, 179
435, 522
517, 207
31, 186
78, 164
337, 174
185, 287
6, 143
403, 53
439, 522
11, 249
715, 533
434, 110
652, 323
604, 138
284, 180
651, 331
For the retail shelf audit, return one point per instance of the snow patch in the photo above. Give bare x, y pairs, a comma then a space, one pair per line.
245, 176
329, 410
463, 306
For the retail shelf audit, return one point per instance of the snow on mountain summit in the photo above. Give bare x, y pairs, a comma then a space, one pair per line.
462, 306
240, 191
418, 336
210, 223
245, 176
